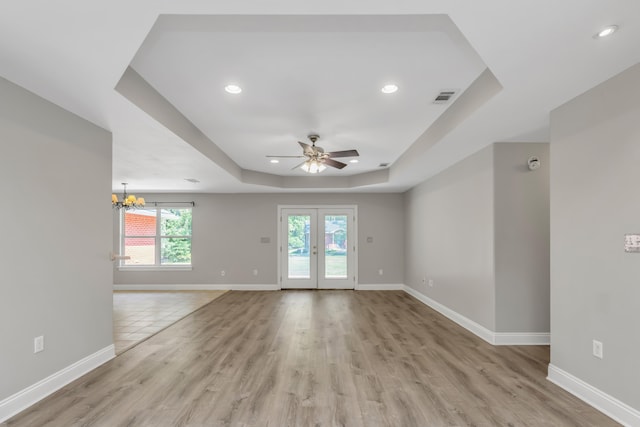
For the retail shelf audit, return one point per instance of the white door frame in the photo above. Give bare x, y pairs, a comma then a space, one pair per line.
353, 242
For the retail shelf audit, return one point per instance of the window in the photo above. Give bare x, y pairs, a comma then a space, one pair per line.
156, 237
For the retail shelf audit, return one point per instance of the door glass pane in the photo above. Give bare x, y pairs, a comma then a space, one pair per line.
298, 246
335, 246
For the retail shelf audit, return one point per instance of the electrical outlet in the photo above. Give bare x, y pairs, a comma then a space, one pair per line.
223, 273
380, 272
424, 280
431, 283
598, 349
38, 344
255, 271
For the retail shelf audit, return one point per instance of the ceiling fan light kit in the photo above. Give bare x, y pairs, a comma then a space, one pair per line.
313, 166
317, 158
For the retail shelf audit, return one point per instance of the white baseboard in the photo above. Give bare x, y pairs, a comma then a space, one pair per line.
608, 405
522, 338
43, 388
192, 287
494, 338
466, 323
255, 287
380, 287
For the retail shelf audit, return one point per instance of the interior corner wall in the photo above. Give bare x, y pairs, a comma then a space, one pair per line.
521, 238
449, 238
227, 231
56, 276
595, 201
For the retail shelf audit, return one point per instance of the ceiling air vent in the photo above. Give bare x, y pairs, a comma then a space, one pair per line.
444, 96
383, 165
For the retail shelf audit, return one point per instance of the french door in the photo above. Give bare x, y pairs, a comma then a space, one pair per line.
317, 248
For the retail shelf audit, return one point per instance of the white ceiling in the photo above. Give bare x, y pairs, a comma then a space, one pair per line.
304, 74
317, 71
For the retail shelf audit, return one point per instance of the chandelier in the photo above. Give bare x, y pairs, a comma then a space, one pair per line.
313, 166
128, 201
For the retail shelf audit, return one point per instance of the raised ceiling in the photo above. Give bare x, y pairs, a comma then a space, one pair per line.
307, 74
310, 68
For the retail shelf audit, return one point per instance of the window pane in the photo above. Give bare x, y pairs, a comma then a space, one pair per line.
175, 222
142, 250
335, 246
175, 251
298, 246
140, 222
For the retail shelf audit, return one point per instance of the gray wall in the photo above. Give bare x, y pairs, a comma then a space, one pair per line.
480, 231
227, 229
56, 280
595, 201
521, 238
449, 238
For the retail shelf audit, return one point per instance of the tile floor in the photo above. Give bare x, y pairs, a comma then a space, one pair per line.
137, 315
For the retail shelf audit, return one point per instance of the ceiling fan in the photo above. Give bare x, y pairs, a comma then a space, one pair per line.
317, 159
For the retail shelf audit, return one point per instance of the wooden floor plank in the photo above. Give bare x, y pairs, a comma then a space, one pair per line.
316, 358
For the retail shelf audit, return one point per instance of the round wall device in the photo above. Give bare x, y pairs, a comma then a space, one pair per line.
533, 163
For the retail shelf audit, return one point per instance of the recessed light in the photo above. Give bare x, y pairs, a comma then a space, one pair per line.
274, 161
233, 89
353, 161
390, 88
606, 31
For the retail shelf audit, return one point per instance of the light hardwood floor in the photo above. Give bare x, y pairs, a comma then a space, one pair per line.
316, 358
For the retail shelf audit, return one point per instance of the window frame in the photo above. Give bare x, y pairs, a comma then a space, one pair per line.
157, 266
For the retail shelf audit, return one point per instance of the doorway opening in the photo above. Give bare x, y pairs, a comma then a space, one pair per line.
317, 247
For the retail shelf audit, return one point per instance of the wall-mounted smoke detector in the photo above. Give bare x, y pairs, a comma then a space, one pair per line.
533, 163
444, 96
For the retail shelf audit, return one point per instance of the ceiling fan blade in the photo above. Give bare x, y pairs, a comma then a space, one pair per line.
307, 149
346, 153
287, 157
334, 163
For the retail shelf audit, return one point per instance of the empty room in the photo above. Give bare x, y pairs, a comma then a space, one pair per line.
331, 214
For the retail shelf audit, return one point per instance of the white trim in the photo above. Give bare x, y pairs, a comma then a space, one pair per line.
154, 268
608, 405
466, 323
494, 338
380, 287
43, 388
250, 287
193, 287
521, 338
